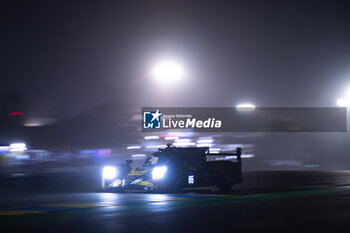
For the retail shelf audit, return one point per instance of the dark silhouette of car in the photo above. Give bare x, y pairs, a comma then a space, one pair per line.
173, 169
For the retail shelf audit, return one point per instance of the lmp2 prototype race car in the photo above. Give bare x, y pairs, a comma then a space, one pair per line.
173, 169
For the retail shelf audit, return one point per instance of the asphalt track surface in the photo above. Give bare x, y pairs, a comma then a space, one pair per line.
267, 202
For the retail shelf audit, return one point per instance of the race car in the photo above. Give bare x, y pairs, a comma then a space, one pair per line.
173, 169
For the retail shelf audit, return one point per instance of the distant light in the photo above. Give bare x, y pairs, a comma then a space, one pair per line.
184, 144
214, 150
343, 102
151, 137
155, 146
168, 72
18, 147
204, 145
246, 156
171, 138
138, 155
205, 141
32, 124
15, 113
183, 140
245, 106
133, 147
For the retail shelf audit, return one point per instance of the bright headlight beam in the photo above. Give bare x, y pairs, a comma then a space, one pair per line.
159, 172
109, 172
18, 147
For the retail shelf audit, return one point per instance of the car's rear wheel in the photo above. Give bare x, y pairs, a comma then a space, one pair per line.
225, 184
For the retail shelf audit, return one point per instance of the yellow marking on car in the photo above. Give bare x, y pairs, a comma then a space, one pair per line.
143, 183
115, 183
133, 172
19, 212
110, 185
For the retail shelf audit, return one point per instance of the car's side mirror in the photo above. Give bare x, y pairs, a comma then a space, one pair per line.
129, 161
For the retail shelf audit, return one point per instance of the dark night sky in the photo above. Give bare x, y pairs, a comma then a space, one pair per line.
72, 56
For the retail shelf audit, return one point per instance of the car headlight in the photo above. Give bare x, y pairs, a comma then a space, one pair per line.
109, 172
159, 172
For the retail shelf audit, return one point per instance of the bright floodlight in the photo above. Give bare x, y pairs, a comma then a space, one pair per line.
343, 102
245, 106
168, 72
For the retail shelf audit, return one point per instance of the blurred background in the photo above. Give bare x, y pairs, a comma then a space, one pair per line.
75, 76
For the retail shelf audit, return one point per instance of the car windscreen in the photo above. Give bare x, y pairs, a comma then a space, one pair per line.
150, 161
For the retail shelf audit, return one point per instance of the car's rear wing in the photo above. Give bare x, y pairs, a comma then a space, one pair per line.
199, 153
237, 154
224, 162
228, 157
